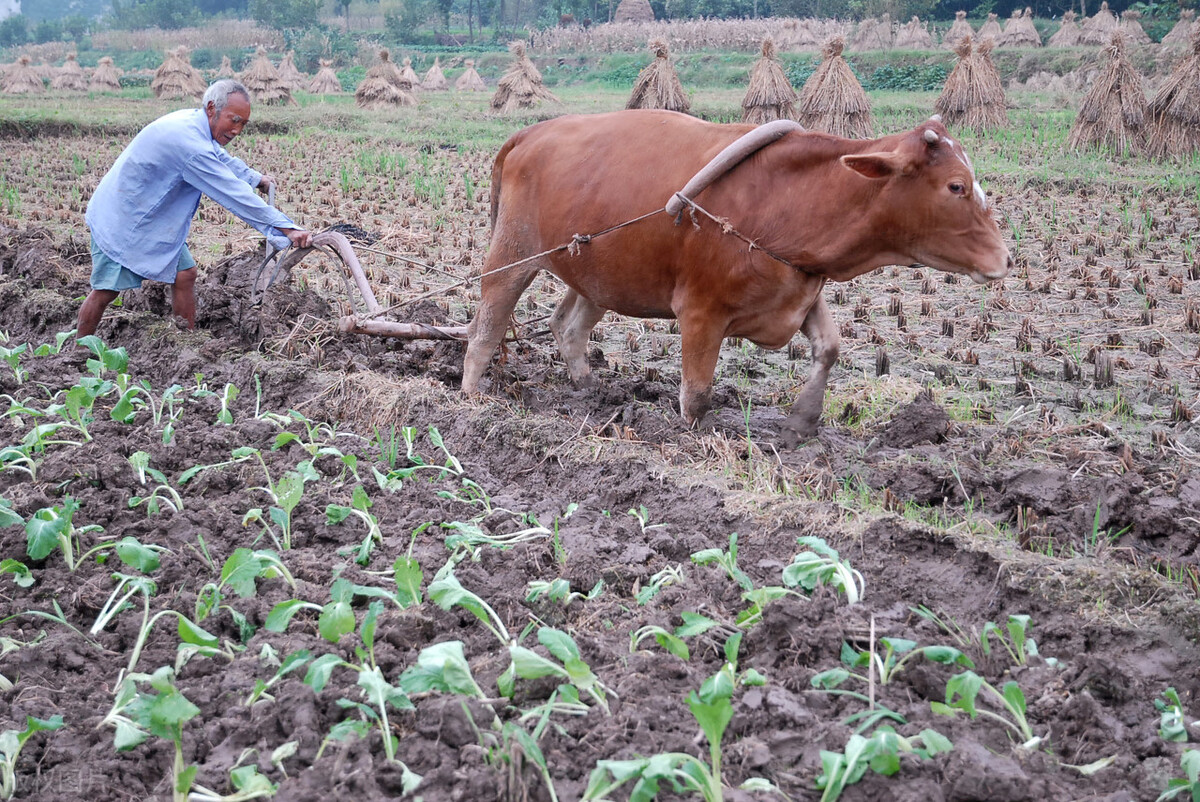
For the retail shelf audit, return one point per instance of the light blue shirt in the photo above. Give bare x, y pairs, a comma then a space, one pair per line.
142, 209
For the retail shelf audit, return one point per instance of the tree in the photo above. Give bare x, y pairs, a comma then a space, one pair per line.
75, 26
14, 31
166, 14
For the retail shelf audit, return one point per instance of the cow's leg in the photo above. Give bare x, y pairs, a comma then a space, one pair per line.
700, 341
572, 322
499, 293
822, 332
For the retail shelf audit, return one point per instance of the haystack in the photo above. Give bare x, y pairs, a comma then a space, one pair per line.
914, 36
264, 82
384, 86
634, 11
225, 70
291, 76
176, 77
21, 79
45, 70
408, 76
1113, 114
1131, 26
874, 34
990, 28
797, 34
770, 95
521, 86
1181, 34
1068, 33
470, 81
1175, 109
70, 76
107, 77
833, 100
435, 79
657, 85
325, 82
1097, 29
969, 98
1019, 32
959, 30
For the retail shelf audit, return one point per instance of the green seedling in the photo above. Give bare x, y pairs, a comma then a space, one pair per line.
247, 784
1013, 638
396, 476
447, 592
76, 408
239, 455
1189, 783
1171, 726
389, 447
888, 659
54, 527
336, 618
558, 591
137, 715
294, 661
360, 505
726, 560
963, 696
472, 493
11, 742
161, 493
643, 518
468, 537
528, 664
239, 574
60, 339
821, 565
881, 753
12, 356
964, 639
442, 667
115, 360
20, 571
165, 410
227, 397
671, 575
19, 459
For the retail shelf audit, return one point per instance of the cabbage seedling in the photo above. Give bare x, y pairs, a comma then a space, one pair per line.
1190, 762
360, 504
1019, 647
881, 753
107, 359
962, 696
11, 742
528, 664
52, 527
161, 493
1171, 726
888, 664
13, 357
725, 559
822, 566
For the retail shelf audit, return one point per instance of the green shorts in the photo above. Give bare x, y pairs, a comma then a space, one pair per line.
108, 275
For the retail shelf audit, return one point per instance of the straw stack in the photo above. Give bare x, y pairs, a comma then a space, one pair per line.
1068, 33
634, 11
990, 28
384, 86
833, 100
1181, 34
264, 82
292, 78
106, 78
657, 85
325, 82
408, 76
176, 77
1019, 32
225, 70
770, 95
435, 79
470, 81
70, 76
971, 97
21, 79
960, 29
1131, 26
1113, 114
1175, 109
914, 36
874, 34
521, 86
1098, 29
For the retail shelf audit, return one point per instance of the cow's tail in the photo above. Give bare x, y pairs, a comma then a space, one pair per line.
497, 171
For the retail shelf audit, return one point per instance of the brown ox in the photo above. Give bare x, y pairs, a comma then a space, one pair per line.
817, 206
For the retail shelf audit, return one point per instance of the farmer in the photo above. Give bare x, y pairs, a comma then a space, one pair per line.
142, 209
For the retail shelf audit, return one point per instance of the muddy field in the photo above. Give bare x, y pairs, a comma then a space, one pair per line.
987, 454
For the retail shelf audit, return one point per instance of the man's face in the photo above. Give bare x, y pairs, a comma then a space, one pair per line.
228, 123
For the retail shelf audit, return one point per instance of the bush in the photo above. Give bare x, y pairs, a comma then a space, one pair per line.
48, 31
320, 42
14, 31
907, 78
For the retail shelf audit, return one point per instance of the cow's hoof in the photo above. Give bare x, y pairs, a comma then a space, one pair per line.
794, 433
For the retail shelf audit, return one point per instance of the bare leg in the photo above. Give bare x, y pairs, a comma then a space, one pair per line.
183, 298
822, 332
572, 322
498, 297
700, 339
92, 310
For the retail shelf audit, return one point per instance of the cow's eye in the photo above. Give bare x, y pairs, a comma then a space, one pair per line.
957, 187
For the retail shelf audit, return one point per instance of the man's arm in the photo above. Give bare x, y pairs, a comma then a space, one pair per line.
209, 174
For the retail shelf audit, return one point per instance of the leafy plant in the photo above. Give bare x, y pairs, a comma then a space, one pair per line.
54, 527
671, 575
336, 618
115, 360
1013, 638
1189, 783
447, 592
11, 743
821, 565
528, 664
886, 664
558, 591
1171, 726
12, 356
360, 505
228, 395
161, 493
165, 409
963, 695
881, 753
727, 560
239, 574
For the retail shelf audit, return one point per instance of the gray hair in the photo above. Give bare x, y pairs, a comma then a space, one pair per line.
218, 94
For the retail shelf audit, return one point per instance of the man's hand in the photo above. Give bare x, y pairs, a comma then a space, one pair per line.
265, 183
299, 237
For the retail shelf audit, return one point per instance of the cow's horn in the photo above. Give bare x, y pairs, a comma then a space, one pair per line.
937, 118
931, 136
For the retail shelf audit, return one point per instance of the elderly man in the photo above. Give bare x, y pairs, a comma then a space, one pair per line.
142, 209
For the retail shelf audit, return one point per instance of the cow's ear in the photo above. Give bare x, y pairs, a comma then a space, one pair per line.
874, 165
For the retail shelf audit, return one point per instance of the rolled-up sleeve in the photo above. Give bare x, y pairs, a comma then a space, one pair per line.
210, 174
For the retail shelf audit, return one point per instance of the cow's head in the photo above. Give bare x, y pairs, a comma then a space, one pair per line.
933, 204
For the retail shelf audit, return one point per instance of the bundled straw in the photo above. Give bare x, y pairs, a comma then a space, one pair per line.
958, 31
833, 100
384, 86
1068, 34
1097, 30
1181, 34
176, 77
770, 95
470, 81
1113, 114
634, 11
973, 96
70, 76
990, 28
292, 78
657, 85
106, 78
226, 69
1131, 26
1175, 109
408, 76
21, 79
435, 79
326, 81
1019, 32
521, 87
914, 36
264, 82
874, 34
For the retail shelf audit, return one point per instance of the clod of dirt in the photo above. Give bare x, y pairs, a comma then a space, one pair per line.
921, 421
